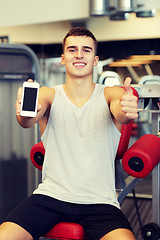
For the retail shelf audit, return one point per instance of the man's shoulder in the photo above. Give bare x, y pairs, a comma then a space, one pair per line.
47, 93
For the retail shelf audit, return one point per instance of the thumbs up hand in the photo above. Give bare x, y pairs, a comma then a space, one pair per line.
129, 102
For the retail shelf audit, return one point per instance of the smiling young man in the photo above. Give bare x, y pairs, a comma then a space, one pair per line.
79, 123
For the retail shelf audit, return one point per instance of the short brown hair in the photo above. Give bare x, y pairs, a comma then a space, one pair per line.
80, 31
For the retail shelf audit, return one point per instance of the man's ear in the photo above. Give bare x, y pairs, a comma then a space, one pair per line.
96, 59
62, 59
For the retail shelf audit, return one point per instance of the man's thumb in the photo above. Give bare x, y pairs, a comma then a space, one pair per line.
127, 85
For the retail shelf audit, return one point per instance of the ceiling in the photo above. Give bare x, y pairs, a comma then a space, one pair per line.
137, 66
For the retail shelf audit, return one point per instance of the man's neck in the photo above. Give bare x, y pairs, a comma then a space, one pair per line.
79, 90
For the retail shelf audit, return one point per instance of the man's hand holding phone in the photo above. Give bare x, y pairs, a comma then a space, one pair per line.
27, 99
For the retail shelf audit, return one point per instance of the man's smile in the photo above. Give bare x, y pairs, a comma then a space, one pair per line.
79, 64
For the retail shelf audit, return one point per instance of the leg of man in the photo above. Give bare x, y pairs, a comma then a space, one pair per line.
104, 222
12, 231
31, 219
120, 234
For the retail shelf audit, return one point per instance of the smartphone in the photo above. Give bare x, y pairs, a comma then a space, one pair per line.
29, 99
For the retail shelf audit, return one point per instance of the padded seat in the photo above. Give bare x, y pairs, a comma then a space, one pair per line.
67, 230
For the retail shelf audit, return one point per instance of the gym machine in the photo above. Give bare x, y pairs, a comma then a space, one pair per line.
149, 102
145, 162
17, 64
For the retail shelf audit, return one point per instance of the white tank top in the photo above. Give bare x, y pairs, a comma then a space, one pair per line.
81, 145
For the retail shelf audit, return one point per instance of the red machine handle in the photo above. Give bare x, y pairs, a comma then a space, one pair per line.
140, 159
37, 155
125, 135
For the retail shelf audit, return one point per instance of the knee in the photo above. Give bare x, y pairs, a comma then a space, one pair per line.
13, 231
120, 234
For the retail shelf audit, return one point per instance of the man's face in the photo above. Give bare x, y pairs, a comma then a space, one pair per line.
79, 56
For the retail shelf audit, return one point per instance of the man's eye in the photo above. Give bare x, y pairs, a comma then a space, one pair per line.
72, 50
86, 50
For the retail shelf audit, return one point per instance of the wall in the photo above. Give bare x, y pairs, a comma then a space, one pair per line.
21, 12
103, 28
133, 28
48, 21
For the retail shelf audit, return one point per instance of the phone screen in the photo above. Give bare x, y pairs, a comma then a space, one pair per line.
29, 101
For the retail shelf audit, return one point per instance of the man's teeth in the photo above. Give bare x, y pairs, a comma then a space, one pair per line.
79, 64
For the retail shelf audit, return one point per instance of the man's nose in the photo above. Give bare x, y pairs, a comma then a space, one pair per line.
79, 53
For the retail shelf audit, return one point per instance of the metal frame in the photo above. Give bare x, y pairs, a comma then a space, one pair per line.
23, 50
126, 185
152, 92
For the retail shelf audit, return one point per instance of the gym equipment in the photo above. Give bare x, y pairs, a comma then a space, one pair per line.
149, 103
151, 230
37, 155
17, 63
142, 156
109, 78
65, 230
74, 231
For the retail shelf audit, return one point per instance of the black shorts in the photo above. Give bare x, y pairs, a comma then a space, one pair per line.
39, 213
